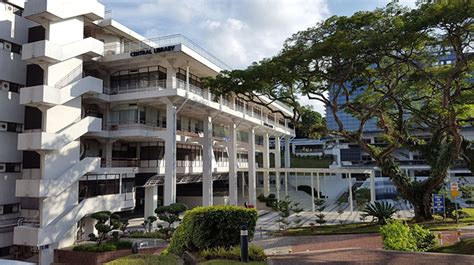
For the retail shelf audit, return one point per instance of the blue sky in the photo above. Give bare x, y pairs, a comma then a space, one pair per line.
238, 32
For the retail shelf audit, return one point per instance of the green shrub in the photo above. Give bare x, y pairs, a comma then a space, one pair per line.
109, 246
397, 235
141, 234
233, 253
380, 210
424, 238
214, 226
261, 198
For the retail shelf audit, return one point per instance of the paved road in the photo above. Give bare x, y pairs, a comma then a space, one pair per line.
369, 256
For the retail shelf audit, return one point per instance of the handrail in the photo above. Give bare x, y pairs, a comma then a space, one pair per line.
165, 41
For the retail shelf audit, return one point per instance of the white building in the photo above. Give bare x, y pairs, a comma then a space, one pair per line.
111, 121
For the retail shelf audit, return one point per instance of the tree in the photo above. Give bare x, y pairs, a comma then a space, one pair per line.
321, 205
148, 223
382, 66
170, 213
106, 222
311, 124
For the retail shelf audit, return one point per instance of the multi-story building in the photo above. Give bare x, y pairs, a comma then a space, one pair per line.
108, 120
13, 34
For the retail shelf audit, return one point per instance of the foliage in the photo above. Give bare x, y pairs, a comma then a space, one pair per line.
311, 124
170, 213
148, 223
214, 226
397, 235
285, 208
380, 210
362, 196
467, 191
380, 66
320, 206
106, 222
155, 234
233, 253
145, 259
108, 246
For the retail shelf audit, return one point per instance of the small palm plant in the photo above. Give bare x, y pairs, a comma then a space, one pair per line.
380, 210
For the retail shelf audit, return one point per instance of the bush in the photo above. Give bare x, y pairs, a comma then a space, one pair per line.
155, 234
380, 210
233, 253
261, 198
214, 226
397, 235
109, 246
424, 238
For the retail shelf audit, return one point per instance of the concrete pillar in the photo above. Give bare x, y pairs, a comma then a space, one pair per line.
277, 165
207, 159
372, 186
170, 156
318, 185
312, 192
287, 152
266, 165
252, 173
187, 78
349, 179
108, 148
232, 149
151, 201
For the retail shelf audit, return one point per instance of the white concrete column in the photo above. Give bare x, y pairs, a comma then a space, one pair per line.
252, 174
277, 165
232, 149
349, 179
266, 165
187, 78
108, 148
312, 192
372, 186
318, 185
287, 152
151, 201
207, 159
170, 156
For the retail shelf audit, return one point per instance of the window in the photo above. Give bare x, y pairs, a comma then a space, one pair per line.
97, 185
193, 79
152, 76
11, 127
9, 208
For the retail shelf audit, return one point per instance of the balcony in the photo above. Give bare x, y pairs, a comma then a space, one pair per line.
51, 141
47, 52
46, 96
42, 11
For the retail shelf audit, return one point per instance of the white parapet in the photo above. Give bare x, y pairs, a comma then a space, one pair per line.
40, 236
47, 96
40, 188
47, 52
42, 11
52, 141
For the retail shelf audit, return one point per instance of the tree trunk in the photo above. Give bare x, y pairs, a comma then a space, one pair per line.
422, 204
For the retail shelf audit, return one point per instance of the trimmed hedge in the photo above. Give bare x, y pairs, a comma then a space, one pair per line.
210, 227
233, 253
109, 246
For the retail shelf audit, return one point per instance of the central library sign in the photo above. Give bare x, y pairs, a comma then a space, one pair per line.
153, 51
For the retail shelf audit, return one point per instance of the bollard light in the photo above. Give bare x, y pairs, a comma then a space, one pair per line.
244, 244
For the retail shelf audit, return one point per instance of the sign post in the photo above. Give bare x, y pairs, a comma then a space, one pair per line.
454, 195
438, 204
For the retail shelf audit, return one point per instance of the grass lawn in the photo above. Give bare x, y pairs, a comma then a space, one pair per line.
144, 259
309, 162
357, 228
231, 262
365, 228
466, 246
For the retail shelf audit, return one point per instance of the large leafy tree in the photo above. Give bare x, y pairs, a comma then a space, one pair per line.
311, 123
382, 66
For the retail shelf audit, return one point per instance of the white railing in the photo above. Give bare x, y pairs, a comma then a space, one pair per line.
150, 86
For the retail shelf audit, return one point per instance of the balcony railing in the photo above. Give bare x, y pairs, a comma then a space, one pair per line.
164, 41
205, 93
